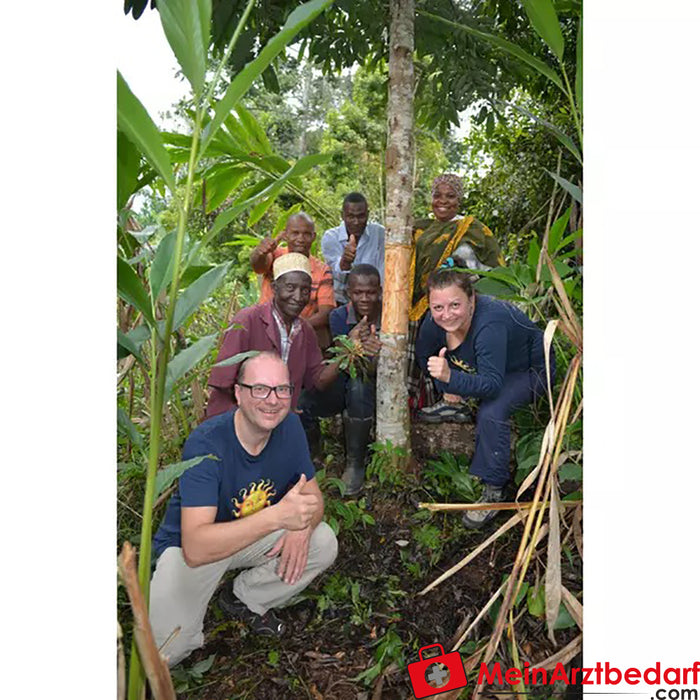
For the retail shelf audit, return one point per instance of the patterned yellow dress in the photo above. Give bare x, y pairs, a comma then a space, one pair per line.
433, 242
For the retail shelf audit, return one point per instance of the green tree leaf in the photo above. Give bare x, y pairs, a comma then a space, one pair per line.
561, 136
186, 24
185, 360
129, 345
197, 292
578, 87
572, 189
132, 291
503, 45
161, 269
135, 122
297, 20
166, 476
126, 427
221, 180
128, 162
557, 231
237, 358
255, 132
302, 166
544, 20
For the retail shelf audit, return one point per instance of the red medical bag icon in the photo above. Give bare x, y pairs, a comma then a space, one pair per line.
436, 674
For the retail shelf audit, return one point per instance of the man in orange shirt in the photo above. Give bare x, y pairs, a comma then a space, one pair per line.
299, 234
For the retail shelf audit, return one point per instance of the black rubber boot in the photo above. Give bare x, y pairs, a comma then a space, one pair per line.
313, 436
356, 440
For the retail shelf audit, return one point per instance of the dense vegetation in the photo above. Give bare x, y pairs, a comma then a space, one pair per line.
257, 144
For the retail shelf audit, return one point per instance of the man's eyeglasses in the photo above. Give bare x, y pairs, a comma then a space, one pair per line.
262, 391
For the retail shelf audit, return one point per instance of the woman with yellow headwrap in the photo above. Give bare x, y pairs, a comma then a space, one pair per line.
447, 238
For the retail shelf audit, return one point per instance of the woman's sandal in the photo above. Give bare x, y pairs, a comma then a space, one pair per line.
268, 624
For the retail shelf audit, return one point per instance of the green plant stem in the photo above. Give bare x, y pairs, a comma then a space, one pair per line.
159, 360
574, 110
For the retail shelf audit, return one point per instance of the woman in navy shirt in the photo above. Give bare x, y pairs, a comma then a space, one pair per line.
475, 346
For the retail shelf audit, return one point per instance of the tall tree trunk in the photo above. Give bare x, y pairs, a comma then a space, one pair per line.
392, 397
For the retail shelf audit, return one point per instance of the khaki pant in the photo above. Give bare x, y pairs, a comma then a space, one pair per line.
180, 594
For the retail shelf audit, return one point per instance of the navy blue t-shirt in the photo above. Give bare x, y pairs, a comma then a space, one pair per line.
500, 340
238, 483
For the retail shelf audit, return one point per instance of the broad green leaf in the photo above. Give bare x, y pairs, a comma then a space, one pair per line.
535, 601
247, 197
284, 216
301, 167
126, 427
565, 140
533, 252
569, 239
572, 189
129, 345
244, 239
544, 20
197, 292
134, 121
161, 269
570, 472
578, 87
297, 20
503, 274
255, 132
192, 273
237, 358
557, 231
128, 162
222, 181
185, 360
186, 24
132, 291
564, 619
166, 476
493, 288
503, 45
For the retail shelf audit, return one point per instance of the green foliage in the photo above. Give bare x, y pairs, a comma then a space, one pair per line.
350, 357
387, 465
186, 24
135, 123
185, 679
449, 478
167, 475
343, 515
429, 537
389, 649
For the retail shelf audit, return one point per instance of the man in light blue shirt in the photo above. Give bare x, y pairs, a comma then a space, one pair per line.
353, 242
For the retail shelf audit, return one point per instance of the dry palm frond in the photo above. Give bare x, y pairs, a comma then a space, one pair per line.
502, 505
153, 663
514, 520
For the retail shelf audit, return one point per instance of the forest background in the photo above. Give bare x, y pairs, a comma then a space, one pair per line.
79, 246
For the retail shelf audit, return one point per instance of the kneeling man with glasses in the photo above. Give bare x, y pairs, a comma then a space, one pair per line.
251, 503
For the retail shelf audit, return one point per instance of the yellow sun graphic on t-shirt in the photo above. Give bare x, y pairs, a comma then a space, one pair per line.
254, 498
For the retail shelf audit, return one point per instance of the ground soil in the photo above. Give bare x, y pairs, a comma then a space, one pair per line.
332, 638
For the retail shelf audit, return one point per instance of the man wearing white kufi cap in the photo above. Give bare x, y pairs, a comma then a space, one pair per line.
275, 326
299, 235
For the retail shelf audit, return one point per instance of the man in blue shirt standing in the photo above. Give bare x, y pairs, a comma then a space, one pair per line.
251, 503
353, 242
360, 320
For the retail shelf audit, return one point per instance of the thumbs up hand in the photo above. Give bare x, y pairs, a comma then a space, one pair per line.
297, 508
438, 366
349, 253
